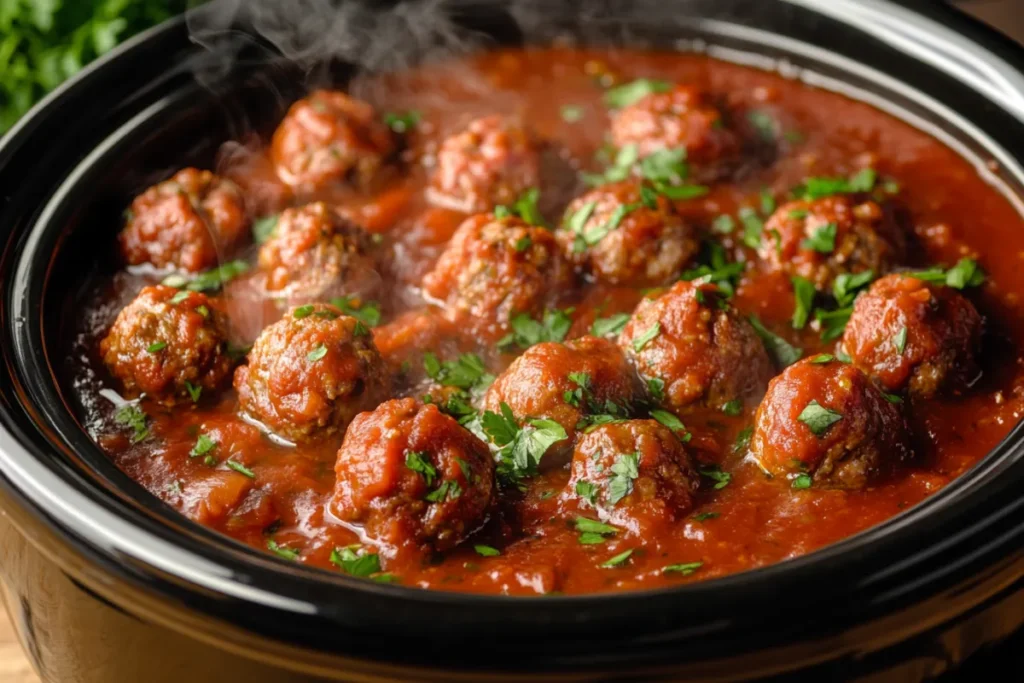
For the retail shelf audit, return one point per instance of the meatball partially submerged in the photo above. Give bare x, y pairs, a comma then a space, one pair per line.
905, 333
825, 418
494, 268
492, 162
567, 382
681, 118
636, 473
187, 222
330, 137
413, 477
823, 238
168, 344
623, 238
309, 373
315, 253
693, 349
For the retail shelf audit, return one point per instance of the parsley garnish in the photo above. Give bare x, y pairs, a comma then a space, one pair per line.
724, 224
316, 354
743, 440
733, 407
417, 462
204, 444
592, 531
634, 91
682, 569
823, 240
240, 468
526, 331
402, 122
526, 208
523, 243
520, 449
350, 561
466, 372
892, 398
264, 228
617, 560
194, 392
303, 311
571, 113
673, 423
448, 490
612, 325
900, 340
665, 167
767, 203
367, 312
717, 475
486, 551
966, 273
133, 417
703, 516
640, 342
817, 188
753, 226
282, 551
784, 353
715, 269
822, 358
156, 346
801, 481
803, 294
656, 387
180, 296
575, 397
624, 470
586, 491
209, 280
817, 418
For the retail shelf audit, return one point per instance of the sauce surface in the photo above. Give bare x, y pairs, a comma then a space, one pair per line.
531, 542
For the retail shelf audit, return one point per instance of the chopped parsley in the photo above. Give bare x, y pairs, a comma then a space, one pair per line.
367, 312
801, 481
784, 353
592, 531
417, 462
353, 562
892, 398
448, 490
526, 208
572, 113
523, 243
817, 188
612, 325
619, 559
665, 167
402, 122
240, 468
803, 295
640, 342
586, 491
717, 475
634, 91
682, 569
465, 372
767, 203
624, 470
704, 516
575, 397
316, 354
966, 273
133, 417
715, 269
673, 423
194, 392
180, 296
733, 408
282, 551
553, 327
743, 440
656, 388
486, 551
764, 123
817, 418
823, 240
822, 358
900, 340
724, 224
753, 226
204, 444
209, 280
301, 312
156, 346
264, 228
520, 448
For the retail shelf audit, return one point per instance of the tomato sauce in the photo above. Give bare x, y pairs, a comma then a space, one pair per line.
749, 522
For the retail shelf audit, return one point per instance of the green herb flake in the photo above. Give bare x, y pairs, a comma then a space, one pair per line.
351, 561
553, 327
264, 228
704, 516
682, 569
672, 422
612, 325
617, 560
523, 243
717, 475
634, 91
624, 471
821, 359
818, 418
367, 312
592, 526
801, 481
316, 354
753, 226
486, 551
133, 417
803, 295
743, 440
402, 122
572, 113
724, 224
733, 408
194, 392
640, 342
892, 398
282, 551
586, 491
204, 444
417, 462
180, 296
303, 311
784, 353
823, 240
156, 346
900, 340
656, 388
240, 468
767, 203
216, 278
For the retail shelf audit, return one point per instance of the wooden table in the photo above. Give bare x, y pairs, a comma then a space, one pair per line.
14, 668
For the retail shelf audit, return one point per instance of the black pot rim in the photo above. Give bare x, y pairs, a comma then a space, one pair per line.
285, 601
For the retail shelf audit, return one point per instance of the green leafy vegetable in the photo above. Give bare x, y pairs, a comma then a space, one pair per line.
724, 224
465, 372
571, 113
715, 269
818, 418
486, 551
817, 188
240, 468
617, 560
634, 91
586, 491
753, 226
264, 228
204, 444
519, 448
703, 516
682, 569
784, 353
612, 325
553, 327
316, 354
194, 392
417, 462
352, 561
366, 312
733, 407
900, 340
672, 422
717, 475
821, 359
156, 346
281, 551
402, 122
803, 293
132, 416
624, 470
211, 279
823, 240
640, 342
801, 481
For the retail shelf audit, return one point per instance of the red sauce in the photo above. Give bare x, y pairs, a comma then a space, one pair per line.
750, 522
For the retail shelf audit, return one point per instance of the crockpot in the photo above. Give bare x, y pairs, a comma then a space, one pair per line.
105, 584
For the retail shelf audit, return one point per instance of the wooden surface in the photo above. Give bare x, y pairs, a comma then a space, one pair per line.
14, 667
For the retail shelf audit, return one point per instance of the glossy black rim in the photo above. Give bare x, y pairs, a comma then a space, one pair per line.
968, 526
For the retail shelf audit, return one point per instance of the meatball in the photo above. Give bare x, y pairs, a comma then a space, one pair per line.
315, 253
330, 137
413, 477
823, 238
681, 118
637, 474
566, 382
905, 333
693, 349
309, 373
169, 344
187, 222
621, 240
826, 419
492, 162
494, 268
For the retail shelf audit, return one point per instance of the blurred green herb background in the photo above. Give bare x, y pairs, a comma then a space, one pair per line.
43, 42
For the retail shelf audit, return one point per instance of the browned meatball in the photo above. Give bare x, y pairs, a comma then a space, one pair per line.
681, 118
492, 162
413, 477
494, 268
189, 222
617, 238
315, 254
692, 349
565, 382
823, 238
330, 137
168, 344
309, 373
637, 474
826, 419
905, 333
